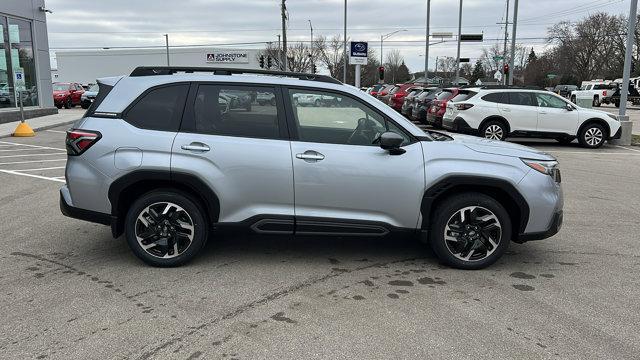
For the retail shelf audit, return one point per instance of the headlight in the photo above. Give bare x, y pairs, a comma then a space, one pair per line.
613, 117
83, 97
546, 167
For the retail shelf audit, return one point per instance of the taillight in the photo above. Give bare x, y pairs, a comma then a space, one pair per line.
604, 93
78, 141
397, 96
443, 105
464, 106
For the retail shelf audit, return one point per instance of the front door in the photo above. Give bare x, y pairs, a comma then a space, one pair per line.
344, 182
554, 116
240, 148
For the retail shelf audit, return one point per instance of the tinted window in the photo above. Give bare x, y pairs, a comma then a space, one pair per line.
336, 119
103, 91
499, 97
236, 111
444, 95
159, 109
464, 95
550, 101
521, 98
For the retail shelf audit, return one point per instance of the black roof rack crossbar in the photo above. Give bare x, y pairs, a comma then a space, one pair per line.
170, 70
498, 87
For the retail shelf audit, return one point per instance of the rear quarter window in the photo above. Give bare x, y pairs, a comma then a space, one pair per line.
159, 108
444, 95
464, 95
498, 97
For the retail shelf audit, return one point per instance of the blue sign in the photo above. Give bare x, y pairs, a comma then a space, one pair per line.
358, 55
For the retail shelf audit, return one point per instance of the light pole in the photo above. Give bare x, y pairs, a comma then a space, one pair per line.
426, 52
346, 59
626, 125
506, 37
459, 36
385, 37
311, 49
513, 43
166, 39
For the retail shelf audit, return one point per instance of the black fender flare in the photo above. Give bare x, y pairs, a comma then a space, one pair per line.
602, 122
500, 189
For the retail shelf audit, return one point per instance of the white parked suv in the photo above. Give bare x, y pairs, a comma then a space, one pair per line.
500, 112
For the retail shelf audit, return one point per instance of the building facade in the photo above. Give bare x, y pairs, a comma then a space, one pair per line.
25, 70
85, 66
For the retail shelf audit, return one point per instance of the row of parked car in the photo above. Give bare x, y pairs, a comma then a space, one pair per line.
69, 95
499, 112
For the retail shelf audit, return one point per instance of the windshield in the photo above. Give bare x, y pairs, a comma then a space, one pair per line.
60, 87
94, 88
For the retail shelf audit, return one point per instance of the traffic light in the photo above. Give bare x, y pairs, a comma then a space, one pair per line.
262, 61
381, 73
269, 62
505, 69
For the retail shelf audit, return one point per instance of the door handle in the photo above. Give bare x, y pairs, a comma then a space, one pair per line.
543, 112
506, 109
310, 156
196, 146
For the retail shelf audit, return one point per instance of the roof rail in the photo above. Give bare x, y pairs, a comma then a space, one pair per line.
170, 70
498, 87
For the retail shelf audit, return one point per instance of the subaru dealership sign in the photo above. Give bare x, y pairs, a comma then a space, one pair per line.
358, 54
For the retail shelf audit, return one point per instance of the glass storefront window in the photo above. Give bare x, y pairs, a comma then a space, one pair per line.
22, 61
5, 94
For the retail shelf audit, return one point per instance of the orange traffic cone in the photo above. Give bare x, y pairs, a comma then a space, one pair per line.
23, 130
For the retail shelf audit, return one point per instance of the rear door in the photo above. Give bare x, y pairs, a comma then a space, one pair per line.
241, 150
554, 116
521, 111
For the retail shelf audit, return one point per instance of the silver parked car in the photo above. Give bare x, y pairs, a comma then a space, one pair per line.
162, 158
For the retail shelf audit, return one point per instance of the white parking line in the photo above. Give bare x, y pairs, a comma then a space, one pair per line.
32, 176
591, 153
31, 161
23, 155
27, 149
47, 168
57, 131
29, 145
626, 148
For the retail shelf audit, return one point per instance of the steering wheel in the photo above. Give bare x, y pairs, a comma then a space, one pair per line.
359, 136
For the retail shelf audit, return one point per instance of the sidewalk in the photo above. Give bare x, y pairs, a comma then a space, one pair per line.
65, 116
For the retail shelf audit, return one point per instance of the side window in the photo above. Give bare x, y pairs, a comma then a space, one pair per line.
498, 97
521, 98
338, 119
230, 110
550, 101
160, 109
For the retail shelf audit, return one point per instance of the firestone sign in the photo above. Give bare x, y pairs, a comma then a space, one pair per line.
228, 57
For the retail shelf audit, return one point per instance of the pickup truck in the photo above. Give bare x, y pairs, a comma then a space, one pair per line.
599, 93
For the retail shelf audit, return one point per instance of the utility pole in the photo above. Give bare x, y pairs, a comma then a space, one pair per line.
426, 52
311, 50
506, 36
346, 59
626, 125
283, 9
166, 39
513, 42
279, 53
459, 36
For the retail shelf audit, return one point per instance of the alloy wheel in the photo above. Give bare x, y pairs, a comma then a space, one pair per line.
164, 230
472, 233
494, 132
593, 136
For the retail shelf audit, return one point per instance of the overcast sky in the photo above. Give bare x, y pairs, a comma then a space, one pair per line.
116, 23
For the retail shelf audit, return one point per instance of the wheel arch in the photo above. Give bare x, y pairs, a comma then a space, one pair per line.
501, 190
126, 189
602, 122
498, 118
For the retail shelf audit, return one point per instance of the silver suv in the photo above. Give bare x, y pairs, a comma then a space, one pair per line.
164, 157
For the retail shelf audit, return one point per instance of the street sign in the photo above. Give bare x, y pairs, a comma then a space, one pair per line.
551, 76
471, 37
442, 35
464, 60
497, 75
498, 58
358, 54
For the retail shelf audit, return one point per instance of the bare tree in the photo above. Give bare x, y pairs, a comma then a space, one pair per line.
330, 54
393, 61
297, 53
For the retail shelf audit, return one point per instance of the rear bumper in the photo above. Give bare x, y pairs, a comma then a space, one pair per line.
81, 214
556, 224
434, 119
458, 125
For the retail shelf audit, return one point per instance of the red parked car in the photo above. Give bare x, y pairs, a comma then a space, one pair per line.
384, 92
399, 93
67, 94
375, 89
439, 106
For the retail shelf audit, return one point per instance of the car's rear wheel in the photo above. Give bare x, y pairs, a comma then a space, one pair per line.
166, 228
494, 130
596, 101
67, 103
470, 231
592, 135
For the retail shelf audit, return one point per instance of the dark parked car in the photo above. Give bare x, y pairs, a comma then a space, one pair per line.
408, 103
564, 90
88, 96
439, 106
422, 104
67, 95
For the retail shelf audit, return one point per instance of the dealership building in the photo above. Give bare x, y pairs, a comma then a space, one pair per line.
85, 66
25, 72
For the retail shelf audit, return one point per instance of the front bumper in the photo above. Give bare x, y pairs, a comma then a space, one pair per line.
553, 229
617, 135
81, 214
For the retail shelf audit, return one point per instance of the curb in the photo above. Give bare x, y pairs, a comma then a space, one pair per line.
45, 127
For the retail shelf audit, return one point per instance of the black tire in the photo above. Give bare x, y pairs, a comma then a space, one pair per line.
59, 106
67, 103
317, 103
592, 136
189, 205
596, 101
565, 140
85, 104
494, 129
617, 103
483, 255
261, 103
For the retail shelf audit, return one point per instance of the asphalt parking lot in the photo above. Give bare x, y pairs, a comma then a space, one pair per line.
70, 291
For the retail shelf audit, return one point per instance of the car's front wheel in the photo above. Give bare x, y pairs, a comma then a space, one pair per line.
470, 231
592, 136
166, 228
494, 130
67, 103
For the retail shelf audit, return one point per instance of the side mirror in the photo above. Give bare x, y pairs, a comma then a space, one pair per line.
391, 142
569, 107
